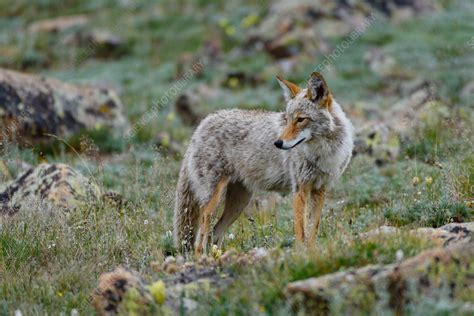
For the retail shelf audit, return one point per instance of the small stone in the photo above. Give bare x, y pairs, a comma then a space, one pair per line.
156, 266
399, 255
171, 268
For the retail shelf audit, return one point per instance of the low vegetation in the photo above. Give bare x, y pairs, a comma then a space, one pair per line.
50, 261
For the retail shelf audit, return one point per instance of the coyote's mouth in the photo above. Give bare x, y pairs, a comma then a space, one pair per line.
286, 146
301, 137
294, 145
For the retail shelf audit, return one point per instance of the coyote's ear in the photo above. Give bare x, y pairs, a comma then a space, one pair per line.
318, 90
290, 90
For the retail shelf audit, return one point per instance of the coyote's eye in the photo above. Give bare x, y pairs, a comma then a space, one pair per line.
285, 121
301, 119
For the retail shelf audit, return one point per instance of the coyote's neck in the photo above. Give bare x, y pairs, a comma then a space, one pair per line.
330, 152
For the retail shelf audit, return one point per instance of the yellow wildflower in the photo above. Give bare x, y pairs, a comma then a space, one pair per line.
250, 20
158, 291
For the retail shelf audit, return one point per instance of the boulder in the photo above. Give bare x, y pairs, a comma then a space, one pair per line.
55, 184
400, 9
31, 107
58, 24
389, 287
379, 141
98, 43
441, 236
385, 66
4, 172
384, 134
108, 297
188, 106
467, 92
174, 293
302, 26
167, 145
289, 29
185, 109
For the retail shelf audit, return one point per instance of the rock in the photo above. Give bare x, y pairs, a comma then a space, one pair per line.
237, 79
115, 200
4, 172
388, 286
169, 146
185, 281
401, 9
384, 65
289, 29
188, 104
33, 106
378, 141
408, 111
302, 26
467, 92
109, 296
383, 136
382, 230
456, 232
185, 110
441, 236
59, 24
169, 265
99, 43
7, 165
56, 184
112, 293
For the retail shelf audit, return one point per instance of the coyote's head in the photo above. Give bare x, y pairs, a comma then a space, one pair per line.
308, 111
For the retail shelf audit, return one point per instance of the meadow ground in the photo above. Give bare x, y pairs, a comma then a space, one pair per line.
50, 261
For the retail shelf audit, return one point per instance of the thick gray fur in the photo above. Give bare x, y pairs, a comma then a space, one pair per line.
238, 145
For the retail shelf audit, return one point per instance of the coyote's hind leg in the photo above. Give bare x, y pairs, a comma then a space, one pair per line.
206, 215
236, 199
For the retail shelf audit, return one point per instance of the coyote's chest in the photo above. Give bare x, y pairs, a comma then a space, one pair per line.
292, 169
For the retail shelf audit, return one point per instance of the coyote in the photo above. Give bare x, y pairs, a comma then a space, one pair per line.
304, 149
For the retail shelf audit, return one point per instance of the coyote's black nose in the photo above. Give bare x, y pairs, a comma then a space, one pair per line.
278, 143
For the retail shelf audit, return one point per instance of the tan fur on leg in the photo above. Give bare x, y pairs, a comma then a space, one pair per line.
314, 212
300, 199
206, 215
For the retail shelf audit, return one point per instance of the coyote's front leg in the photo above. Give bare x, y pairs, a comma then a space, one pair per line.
313, 212
300, 201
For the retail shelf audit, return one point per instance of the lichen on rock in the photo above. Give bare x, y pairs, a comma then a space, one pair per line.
392, 286
32, 108
56, 184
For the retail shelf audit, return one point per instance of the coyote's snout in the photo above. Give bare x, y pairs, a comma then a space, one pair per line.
294, 139
235, 152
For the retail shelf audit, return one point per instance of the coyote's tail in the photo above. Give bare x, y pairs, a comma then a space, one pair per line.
186, 214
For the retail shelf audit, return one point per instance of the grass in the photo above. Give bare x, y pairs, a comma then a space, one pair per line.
50, 261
